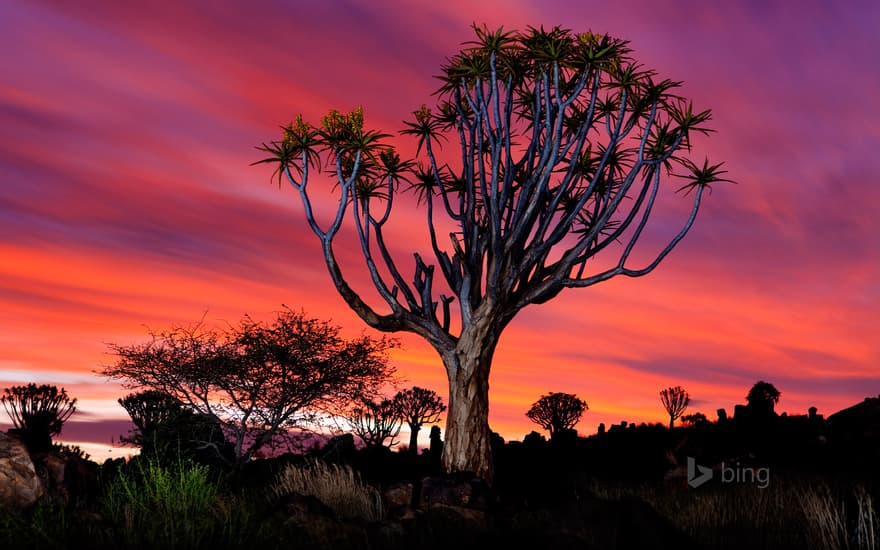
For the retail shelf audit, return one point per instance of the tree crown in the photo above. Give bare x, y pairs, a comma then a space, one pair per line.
675, 400
255, 378
418, 406
557, 411
38, 411
562, 138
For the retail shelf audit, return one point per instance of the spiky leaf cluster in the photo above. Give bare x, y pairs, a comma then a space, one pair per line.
558, 143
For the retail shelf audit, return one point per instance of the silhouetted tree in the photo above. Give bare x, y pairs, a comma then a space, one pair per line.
376, 422
675, 400
38, 413
601, 429
417, 407
150, 411
722, 414
563, 141
257, 379
694, 419
166, 429
762, 399
557, 412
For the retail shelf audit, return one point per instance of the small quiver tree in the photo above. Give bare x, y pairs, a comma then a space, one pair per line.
38, 413
557, 412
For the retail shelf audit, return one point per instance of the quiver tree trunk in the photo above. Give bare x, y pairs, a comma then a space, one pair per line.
414, 439
466, 447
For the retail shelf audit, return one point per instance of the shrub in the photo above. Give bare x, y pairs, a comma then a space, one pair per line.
339, 487
154, 506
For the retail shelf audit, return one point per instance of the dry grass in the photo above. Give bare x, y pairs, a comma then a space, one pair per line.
339, 487
784, 515
834, 527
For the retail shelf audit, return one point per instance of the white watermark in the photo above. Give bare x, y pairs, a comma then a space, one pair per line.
699, 475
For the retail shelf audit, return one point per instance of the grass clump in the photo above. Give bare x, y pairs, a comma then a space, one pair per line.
339, 487
153, 505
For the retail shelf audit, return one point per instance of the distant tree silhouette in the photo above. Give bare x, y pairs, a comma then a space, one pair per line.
694, 419
722, 414
38, 413
150, 411
376, 422
762, 399
257, 379
675, 400
417, 407
166, 429
557, 412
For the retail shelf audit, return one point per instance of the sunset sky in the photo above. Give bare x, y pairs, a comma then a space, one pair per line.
127, 199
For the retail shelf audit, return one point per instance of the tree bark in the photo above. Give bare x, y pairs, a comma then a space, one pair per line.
466, 447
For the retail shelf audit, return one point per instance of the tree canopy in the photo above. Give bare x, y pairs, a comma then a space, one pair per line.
376, 422
256, 378
675, 400
763, 397
557, 412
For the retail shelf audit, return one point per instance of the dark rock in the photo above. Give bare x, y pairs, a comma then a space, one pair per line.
461, 490
318, 532
454, 527
297, 505
67, 476
398, 495
436, 447
389, 535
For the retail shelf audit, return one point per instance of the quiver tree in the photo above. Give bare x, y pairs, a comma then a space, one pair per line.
557, 412
376, 422
675, 400
38, 413
257, 379
150, 411
417, 407
561, 142
167, 429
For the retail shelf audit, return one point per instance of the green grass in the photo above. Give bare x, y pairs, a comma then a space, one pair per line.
158, 506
